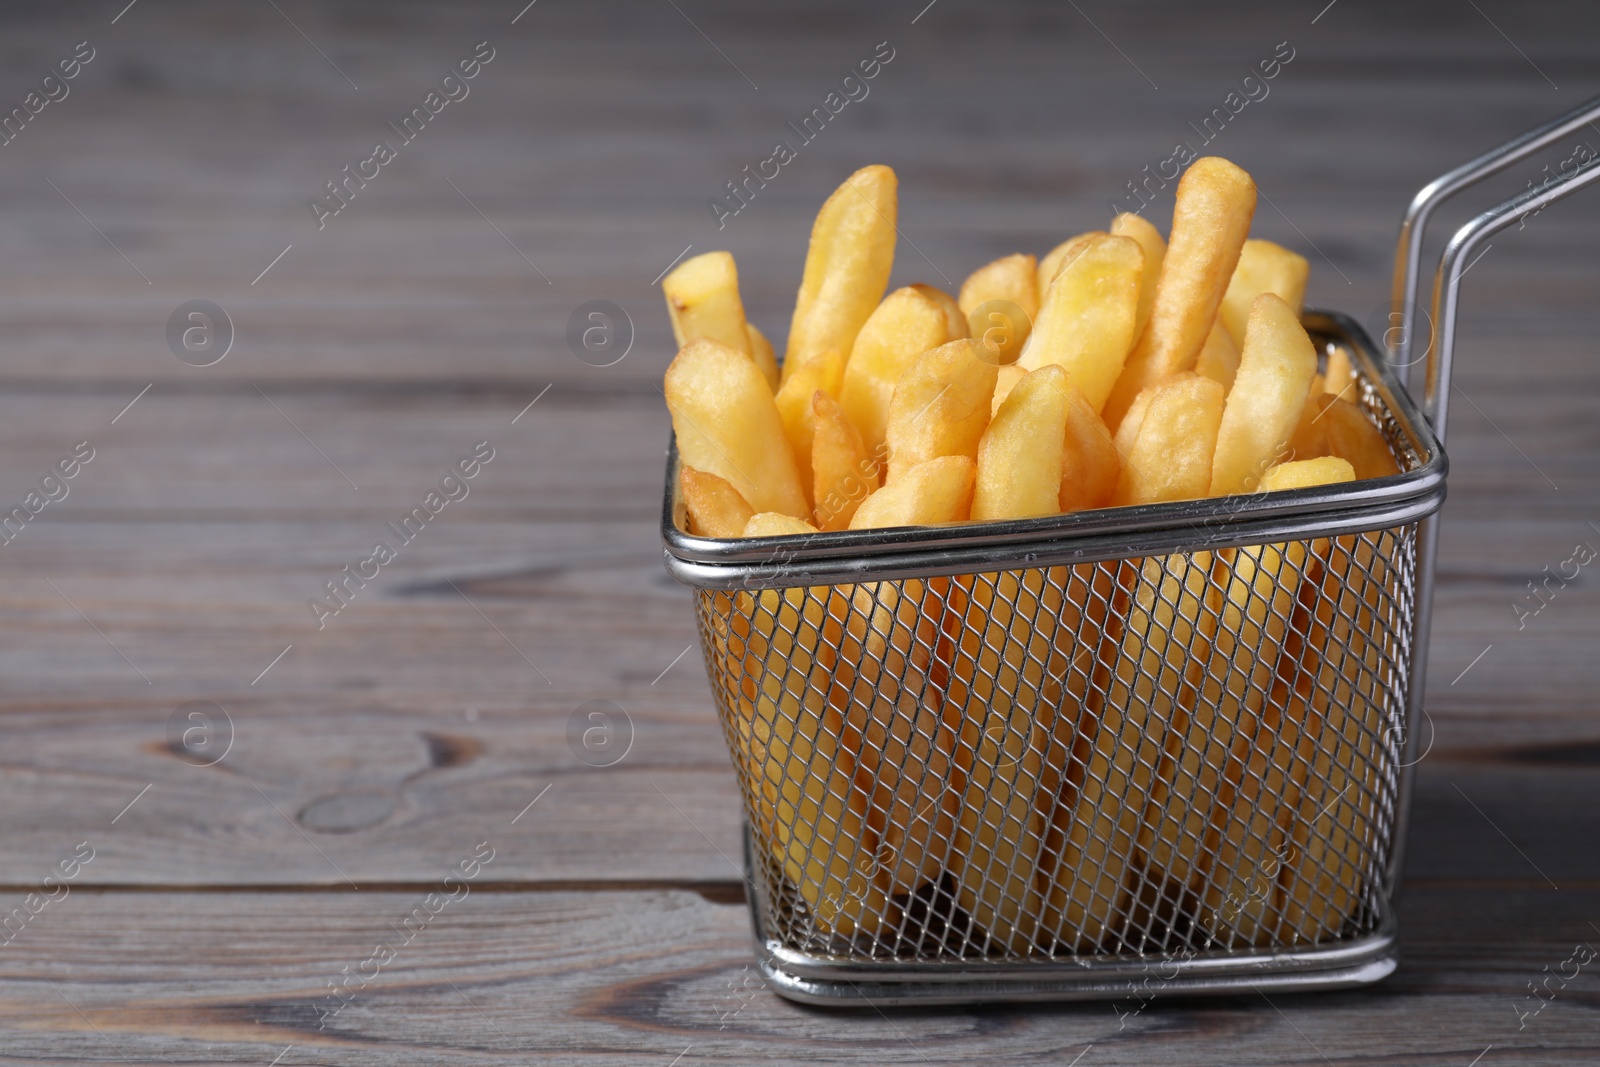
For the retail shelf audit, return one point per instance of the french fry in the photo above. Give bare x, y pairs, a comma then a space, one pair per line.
928, 494
1276, 366
1340, 378
1089, 315
940, 407
955, 320
1155, 250
1015, 280
727, 424
761, 352
1215, 203
1052, 262
1331, 426
1263, 268
1090, 465
703, 301
1108, 819
1019, 456
907, 324
774, 524
822, 373
1005, 380
1171, 456
715, 508
1262, 626
1302, 474
803, 778
843, 473
1219, 357
847, 266
1129, 427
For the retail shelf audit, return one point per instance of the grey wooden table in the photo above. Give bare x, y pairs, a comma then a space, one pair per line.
266, 801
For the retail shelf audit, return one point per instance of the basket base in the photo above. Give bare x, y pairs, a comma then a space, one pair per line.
972, 988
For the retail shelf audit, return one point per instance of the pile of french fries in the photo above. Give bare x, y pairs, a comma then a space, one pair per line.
1046, 740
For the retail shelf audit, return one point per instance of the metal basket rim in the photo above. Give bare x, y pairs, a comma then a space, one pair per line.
1083, 537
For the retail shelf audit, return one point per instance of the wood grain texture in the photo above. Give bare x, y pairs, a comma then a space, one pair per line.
424, 317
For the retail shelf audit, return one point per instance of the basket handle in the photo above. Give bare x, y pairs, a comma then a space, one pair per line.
1408, 247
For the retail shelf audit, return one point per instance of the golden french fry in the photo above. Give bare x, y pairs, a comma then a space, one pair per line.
1123, 785
1155, 250
940, 407
1319, 385
955, 320
821, 373
1005, 380
1171, 456
1013, 280
907, 324
1262, 628
802, 778
1340, 377
1129, 427
703, 301
843, 473
727, 424
1301, 474
1090, 465
1089, 315
930, 493
847, 266
1215, 203
1019, 456
1059, 256
1219, 357
1331, 426
1263, 268
773, 524
1331, 847
715, 507
1276, 365
761, 352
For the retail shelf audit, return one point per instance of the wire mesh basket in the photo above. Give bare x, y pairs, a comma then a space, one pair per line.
1059, 757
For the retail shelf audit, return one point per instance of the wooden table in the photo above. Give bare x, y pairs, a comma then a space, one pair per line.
337, 774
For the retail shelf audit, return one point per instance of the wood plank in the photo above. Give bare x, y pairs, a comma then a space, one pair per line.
606, 977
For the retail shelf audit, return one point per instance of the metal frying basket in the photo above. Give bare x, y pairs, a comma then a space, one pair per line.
1113, 753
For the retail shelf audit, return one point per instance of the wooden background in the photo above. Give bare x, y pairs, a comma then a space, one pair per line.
380, 750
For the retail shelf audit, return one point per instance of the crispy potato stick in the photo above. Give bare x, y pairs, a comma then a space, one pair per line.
1155, 250
1019, 456
1089, 316
1098, 837
1219, 358
930, 493
727, 424
1263, 268
1060, 255
1301, 474
1341, 779
822, 373
940, 407
847, 266
955, 320
1014, 280
1090, 465
1171, 456
715, 508
1129, 429
1262, 630
842, 471
761, 352
1276, 366
907, 324
703, 301
1005, 380
801, 776
1210, 221
1340, 378
1330, 426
